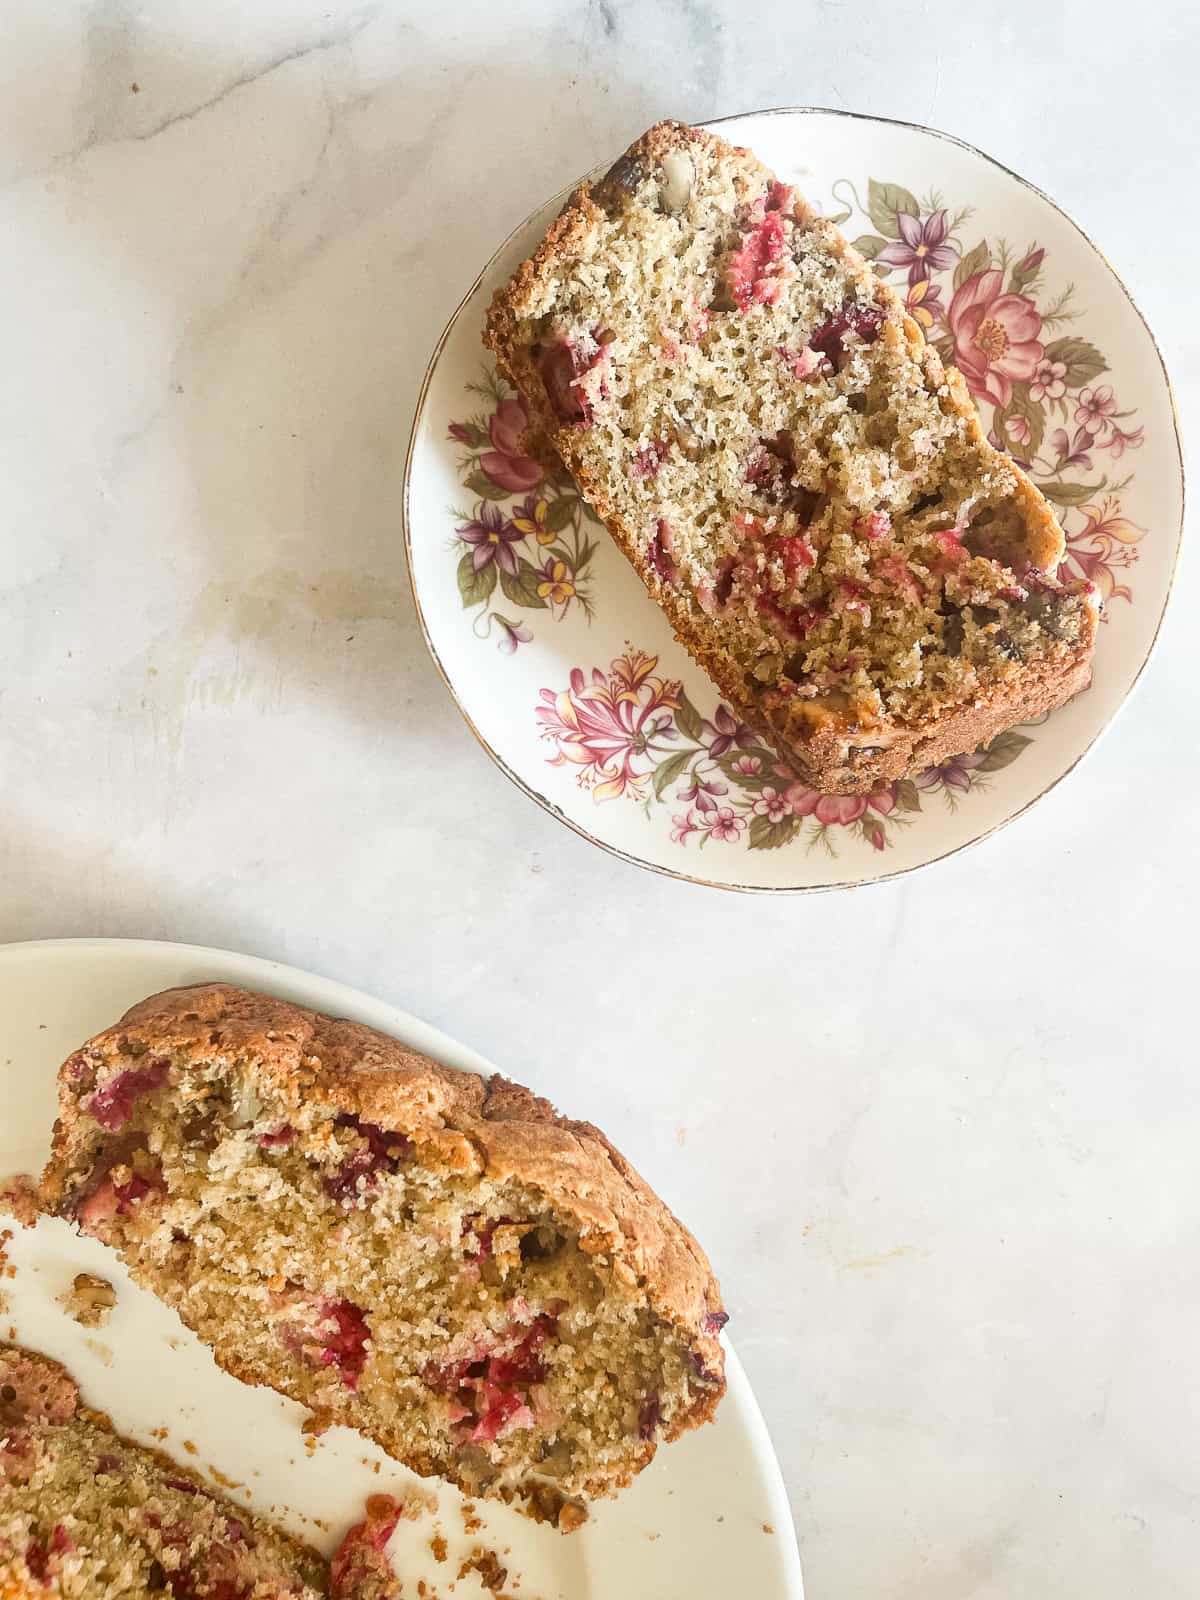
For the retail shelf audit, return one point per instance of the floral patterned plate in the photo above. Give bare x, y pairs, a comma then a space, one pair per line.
569, 674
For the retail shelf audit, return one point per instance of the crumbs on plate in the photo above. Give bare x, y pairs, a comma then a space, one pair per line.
89, 1300
19, 1198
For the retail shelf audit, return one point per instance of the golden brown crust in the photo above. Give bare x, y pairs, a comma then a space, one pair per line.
842, 757
459, 1121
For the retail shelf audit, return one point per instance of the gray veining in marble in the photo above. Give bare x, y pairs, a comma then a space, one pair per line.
940, 1137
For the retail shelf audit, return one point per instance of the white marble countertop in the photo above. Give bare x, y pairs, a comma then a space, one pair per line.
940, 1137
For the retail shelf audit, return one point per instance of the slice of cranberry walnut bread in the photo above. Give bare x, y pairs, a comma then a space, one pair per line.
799, 482
88, 1515
434, 1258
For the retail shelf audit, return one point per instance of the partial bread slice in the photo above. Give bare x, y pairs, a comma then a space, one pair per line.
88, 1515
799, 482
486, 1289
